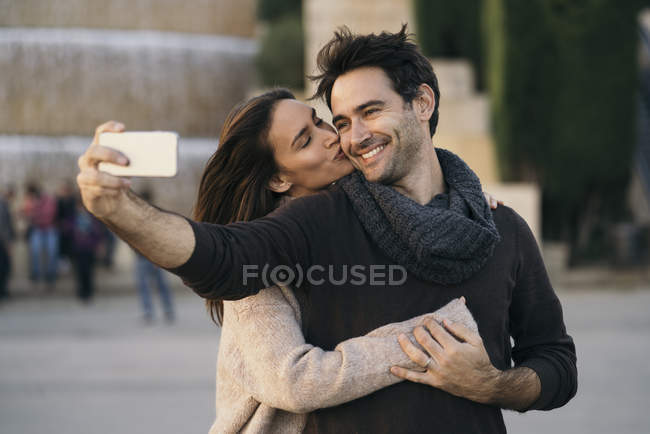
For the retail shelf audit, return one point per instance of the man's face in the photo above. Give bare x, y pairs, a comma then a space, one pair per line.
380, 133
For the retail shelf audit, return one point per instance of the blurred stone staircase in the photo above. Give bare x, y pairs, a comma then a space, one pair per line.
464, 128
464, 125
214, 17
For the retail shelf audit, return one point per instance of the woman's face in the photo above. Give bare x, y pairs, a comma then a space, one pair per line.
306, 148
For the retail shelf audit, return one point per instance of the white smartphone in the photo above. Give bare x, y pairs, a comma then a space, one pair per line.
150, 153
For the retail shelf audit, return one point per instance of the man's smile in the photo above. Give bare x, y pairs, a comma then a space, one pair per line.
373, 152
370, 154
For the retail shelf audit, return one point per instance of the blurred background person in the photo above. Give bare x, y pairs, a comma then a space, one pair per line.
87, 235
147, 274
7, 236
39, 209
65, 215
107, 255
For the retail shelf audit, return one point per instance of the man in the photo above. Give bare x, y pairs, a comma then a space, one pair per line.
422, 211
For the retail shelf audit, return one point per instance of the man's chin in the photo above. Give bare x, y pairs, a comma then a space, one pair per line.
374, 175
377, 171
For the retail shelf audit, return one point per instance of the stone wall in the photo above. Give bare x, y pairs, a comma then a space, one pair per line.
222, 17
50, 161
69, 65
67, 81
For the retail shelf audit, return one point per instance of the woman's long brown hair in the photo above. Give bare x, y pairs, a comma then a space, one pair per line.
234, 184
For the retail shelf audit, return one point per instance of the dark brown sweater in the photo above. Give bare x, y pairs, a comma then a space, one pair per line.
510, 297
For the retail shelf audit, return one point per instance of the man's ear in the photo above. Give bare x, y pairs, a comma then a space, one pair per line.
424, 103
279, 185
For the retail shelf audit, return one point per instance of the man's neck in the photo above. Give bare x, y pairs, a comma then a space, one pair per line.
425, 179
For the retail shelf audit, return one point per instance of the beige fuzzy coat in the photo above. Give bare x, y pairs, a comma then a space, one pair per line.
269, 378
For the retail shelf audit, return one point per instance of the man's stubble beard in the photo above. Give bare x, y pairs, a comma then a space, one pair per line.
406, 148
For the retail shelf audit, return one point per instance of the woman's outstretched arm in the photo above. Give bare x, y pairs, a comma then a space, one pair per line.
278, 368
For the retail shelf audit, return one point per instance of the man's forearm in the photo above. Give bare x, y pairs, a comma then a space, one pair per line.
166, 239
515, 389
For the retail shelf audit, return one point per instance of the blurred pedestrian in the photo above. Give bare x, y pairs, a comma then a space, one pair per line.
7, 236
147, 274
39, 209
108, 254
87, 235
66, 210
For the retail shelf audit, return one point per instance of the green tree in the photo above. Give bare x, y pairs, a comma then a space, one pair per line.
280, 60
451, 29
271, 10
562, 80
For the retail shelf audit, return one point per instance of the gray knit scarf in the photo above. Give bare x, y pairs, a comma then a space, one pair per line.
443, 245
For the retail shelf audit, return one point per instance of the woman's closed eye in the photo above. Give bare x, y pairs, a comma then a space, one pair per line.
318, 122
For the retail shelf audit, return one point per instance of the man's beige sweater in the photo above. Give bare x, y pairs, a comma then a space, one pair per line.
269, 378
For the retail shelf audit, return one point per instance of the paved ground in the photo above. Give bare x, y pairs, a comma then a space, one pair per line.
612, 334
68, 368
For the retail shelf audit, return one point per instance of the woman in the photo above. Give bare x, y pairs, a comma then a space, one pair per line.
272, 149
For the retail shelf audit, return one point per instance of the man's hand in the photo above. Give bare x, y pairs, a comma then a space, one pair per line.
460, 366
102, 193
456, 361
165, 238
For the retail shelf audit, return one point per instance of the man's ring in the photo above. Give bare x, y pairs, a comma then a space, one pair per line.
426, 365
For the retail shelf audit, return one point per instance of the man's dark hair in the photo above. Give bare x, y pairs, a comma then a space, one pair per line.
394, 53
